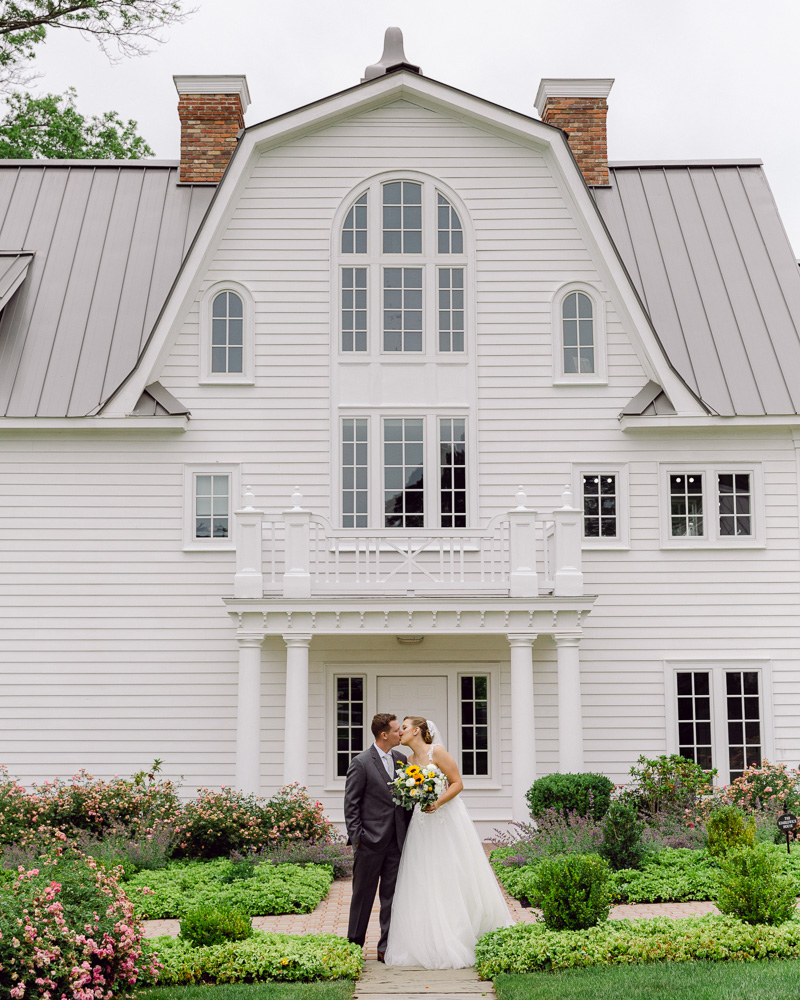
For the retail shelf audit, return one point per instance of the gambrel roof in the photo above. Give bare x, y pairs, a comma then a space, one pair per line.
103, 242
703, 247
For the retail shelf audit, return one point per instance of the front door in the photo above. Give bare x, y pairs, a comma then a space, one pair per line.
422, 696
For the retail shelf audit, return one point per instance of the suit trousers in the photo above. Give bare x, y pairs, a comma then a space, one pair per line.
371, 867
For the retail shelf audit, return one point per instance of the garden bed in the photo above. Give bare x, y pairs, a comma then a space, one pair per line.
527, 948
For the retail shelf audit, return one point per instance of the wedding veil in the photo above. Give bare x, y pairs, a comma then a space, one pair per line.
433, 729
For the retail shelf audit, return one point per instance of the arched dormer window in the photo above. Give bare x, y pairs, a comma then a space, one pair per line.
402, 271
579, 335
226, 335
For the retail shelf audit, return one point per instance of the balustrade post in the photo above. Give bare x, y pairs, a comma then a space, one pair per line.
249, 578
297, 574
568, 576
523, 580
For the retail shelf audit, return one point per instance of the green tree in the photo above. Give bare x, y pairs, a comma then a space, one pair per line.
51, 127
119, 26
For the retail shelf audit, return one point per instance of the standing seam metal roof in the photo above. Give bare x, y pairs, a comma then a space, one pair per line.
108, 240
705, 247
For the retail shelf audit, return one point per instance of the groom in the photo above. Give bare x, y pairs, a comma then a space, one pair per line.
376, 828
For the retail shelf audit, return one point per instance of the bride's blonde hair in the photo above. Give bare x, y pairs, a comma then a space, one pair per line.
422, 725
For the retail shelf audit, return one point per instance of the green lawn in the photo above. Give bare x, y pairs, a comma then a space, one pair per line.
339, 989
763, 980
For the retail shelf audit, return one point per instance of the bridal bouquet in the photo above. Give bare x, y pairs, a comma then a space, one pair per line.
416, 786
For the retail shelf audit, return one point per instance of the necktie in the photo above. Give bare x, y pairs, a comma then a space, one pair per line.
387, 763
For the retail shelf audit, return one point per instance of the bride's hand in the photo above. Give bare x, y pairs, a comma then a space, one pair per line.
431, 808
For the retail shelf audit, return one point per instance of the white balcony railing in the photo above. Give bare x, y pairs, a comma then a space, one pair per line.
519, 553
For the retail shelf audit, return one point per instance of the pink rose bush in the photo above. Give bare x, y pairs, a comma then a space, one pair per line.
68, 932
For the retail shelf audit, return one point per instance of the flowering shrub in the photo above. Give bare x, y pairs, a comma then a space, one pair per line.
338, 856
87, 803
669, 784
68, 931
216, 823
131, 849
290, 815
552, 833
773, 787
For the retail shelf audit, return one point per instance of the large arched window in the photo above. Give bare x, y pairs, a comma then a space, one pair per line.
402, 271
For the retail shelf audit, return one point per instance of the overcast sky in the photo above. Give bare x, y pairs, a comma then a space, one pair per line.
695, 79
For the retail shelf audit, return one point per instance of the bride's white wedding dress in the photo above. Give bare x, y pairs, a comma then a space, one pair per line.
446, 895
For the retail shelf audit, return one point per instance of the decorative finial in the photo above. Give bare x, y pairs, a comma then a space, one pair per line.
393, 56
522, 498
566, 498
248, 498
297, 499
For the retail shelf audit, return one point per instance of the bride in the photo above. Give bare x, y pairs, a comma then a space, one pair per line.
446, 895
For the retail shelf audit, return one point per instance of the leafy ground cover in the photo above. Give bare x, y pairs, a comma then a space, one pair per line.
339, 989
759, 980
669, 875
263, 889
527, 948
279, 957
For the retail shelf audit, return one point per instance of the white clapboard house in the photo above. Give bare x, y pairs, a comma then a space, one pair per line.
401, 401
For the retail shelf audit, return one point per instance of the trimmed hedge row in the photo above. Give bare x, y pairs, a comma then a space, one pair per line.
281, 957
533, 948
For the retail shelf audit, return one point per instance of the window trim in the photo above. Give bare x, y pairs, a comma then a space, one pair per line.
432, 493
600, 375
372, 669
622, 540
711, 537
375, 260
717, 668
190, 471
247, 375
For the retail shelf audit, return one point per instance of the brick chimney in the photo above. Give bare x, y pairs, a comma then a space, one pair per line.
211, 110
579, 107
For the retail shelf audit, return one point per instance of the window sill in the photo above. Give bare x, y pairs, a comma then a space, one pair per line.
415, 357
238, 380
226, 546
706, 544
583, 380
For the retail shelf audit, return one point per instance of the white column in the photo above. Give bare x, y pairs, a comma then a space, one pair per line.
248, 713
523, 729
295, 744
570, 715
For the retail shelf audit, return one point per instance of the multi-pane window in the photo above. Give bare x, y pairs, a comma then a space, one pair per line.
577, 334
451, 309
735, 495
402, 217
403, 473
227, 343
349, 721
453, 472
355, 490
600, 505
686, 505
354, 230
744, 720
474, 720
450, 235
354, 309
211, 506
402, 309
694, 716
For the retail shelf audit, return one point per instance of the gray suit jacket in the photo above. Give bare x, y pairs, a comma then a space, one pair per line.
371, 816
